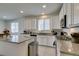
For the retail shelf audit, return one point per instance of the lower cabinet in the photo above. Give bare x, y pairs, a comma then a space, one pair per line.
45, 40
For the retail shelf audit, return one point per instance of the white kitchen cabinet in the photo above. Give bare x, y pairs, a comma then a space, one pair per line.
50, 41
72, 14
45, 40
61, 13
41, 40
66, 10
76, 13
69, 14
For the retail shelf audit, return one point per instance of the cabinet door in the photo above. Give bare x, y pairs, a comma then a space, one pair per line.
47, 41
39, 40
44, 40
51, 40
66, 10
69, 14
76, 13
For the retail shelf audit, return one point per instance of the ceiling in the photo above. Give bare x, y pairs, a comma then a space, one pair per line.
12, 10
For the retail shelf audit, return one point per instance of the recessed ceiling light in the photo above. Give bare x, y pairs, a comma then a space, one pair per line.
21, 11
44, 6
4, 16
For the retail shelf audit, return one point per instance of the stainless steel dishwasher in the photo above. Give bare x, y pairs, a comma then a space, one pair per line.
33, 47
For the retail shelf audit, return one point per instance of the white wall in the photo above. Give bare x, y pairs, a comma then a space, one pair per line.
31, 23
2, 25
55, 23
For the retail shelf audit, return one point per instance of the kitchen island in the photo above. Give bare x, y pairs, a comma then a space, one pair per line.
17, 48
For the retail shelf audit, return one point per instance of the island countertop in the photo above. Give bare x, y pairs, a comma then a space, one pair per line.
8, 48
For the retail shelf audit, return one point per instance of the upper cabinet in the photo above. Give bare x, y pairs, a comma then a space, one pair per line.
76, 13
66, 10
69, 13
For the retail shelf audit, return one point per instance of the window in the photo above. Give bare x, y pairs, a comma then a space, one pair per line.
14, 30
44, 24
14, 38
40, 24
14, 27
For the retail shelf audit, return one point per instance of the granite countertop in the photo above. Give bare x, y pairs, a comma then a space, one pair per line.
44, 33
16, 40
68, 47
